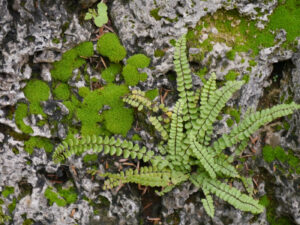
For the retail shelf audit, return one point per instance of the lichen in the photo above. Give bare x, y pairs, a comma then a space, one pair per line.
109, 45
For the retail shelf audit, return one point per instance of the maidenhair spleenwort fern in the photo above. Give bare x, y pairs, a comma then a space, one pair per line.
186, 141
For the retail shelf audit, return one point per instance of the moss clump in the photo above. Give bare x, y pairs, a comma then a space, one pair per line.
109, 45
36, 91
69, 194
109, 74
8, 190
130, 72
231, 75
11, 207
231, 55
159, 53
154, 14
152, 94
61, 91
20, 114
53, 197
112, 93
118, 120
139, 61
229, 122
38, 142
90, 158
71, 59
268, 154
136, 137
62, 197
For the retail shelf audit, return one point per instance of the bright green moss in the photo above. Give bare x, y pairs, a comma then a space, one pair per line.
109, 45
252, 63
71, 59
264, 200
90, 158
69, 195
235, 114
11, 207
83, 91
85, 49
246, 78
61, 91
231, 75
38, 142
132, 76
8, 190
159, 53
139, 61
112, 93
229, 122
20, 114
173, 42
152, 94
136, 137
110, 73
268, 154
154, 14
118, 120
280, 154
53, 197
230, 55
36, 91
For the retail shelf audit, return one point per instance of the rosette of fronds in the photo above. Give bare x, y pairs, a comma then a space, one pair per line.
186, 141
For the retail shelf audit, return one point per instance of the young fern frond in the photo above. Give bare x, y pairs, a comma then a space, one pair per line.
208, 90
98, 144
184, 82
159, 127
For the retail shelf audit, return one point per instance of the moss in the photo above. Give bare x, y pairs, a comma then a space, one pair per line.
231, 75
152, 94
229, 122
71, 59
139, 61
7, 190
268, 154
53, 197
61, 91
38, 142
112, 93
118, 120
246, 78
90, 158
136, 137
20, 114
132, 76
172, 42
28, 222
264, 200
280, 154
11, 207
252, 63
109, 45
69, 195
159, 53
55, 40
154, 14
230, 55
110, 73
36, 91
235, 114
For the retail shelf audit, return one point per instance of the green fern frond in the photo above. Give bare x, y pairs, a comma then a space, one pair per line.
208, 203
251, 124
159, 127
184, 82
98, 144
208, 90
176, 130
229, 194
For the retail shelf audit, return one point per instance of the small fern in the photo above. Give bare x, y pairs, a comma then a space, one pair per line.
186, 141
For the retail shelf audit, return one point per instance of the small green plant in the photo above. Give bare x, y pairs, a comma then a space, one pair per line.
100, 16
186, 141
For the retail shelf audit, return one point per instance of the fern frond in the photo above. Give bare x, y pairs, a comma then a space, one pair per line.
98, 144
147, 176
209, 111
176, 130
208, 203
204, 157
159, 127
225, 167
251, 124
229, 194
184, 82
138, 100
208, 90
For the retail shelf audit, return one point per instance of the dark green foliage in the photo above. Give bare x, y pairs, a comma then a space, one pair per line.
109, 45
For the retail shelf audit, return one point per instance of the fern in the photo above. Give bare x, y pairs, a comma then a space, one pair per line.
186, 142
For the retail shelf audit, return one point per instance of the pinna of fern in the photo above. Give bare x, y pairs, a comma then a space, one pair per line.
186, 141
